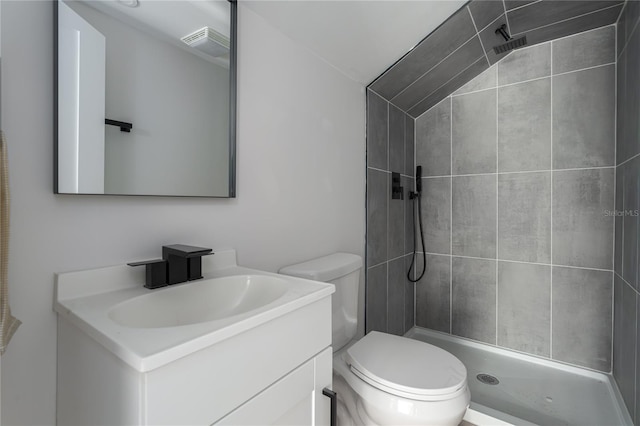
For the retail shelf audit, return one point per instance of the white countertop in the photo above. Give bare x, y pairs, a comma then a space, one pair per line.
86, 297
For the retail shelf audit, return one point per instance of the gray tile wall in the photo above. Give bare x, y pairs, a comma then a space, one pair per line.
462, 47
518, 193
626, 333
390, 148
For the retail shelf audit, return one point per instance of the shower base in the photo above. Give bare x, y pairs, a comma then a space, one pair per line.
530, 390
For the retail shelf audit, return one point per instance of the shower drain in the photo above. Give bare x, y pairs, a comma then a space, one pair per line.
487, 379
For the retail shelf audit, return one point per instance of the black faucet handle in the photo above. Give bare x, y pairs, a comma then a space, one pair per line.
184, 262
182, 250
156, 272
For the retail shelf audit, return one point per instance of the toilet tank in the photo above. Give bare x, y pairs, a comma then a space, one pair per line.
342, 270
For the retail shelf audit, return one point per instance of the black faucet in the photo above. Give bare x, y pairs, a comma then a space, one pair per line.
179, 263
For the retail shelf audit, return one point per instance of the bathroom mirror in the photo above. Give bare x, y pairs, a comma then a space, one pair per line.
145, 97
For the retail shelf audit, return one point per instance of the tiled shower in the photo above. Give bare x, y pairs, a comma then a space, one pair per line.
523, 186
508, 211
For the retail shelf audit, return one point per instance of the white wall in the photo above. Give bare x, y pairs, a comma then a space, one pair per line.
300, 187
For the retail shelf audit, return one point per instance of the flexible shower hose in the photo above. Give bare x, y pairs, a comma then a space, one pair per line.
416, 196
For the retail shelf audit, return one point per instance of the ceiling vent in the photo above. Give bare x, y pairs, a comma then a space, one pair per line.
208, 41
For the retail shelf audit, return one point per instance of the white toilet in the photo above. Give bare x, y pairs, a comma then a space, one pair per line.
383, 379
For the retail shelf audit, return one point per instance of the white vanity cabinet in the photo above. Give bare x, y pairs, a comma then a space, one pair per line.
269, 370
272, 374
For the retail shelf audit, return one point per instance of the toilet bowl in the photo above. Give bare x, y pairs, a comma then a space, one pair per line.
383, 379
399, 381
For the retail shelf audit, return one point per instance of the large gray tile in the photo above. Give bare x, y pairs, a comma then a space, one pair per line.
452, 34
632, 102
630, 174
624, 340
439, 75
584, 50
474, 299
629, 99
436, 214
377, 204
474, 133
396, 280
485, 11
395, 239
377, 125
620, 31
524, 217
451, 86
525, 64
548, 12
581, 312
524, 126
433, 140
524, 307
584, 120
618, 220
396, 139
487, 80
409, 146
582, 229
409, 299
624, 145
433, 295
474, 216
573, 26
631, 17
376, 298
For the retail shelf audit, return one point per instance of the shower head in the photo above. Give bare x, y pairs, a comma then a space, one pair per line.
511, 43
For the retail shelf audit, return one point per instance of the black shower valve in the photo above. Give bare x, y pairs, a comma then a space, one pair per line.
397, 191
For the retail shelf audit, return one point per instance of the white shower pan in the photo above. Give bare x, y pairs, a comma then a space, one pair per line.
531, 390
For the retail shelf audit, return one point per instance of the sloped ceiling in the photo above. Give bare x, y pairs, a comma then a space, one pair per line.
462, 47
360, 38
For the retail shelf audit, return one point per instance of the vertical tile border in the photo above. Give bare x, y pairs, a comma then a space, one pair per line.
389, 254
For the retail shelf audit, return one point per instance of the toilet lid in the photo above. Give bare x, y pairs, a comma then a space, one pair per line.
406, 367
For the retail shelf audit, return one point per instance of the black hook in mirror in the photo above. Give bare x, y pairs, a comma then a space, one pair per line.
124, 127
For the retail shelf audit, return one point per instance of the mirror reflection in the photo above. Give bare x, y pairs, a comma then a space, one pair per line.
145, 97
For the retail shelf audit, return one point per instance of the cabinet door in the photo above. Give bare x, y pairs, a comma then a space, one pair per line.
209, 384
289, 401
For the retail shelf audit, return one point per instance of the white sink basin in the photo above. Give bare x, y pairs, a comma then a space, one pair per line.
150, 328
199, 301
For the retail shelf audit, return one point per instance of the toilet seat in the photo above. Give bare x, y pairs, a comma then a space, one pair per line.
407, 368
